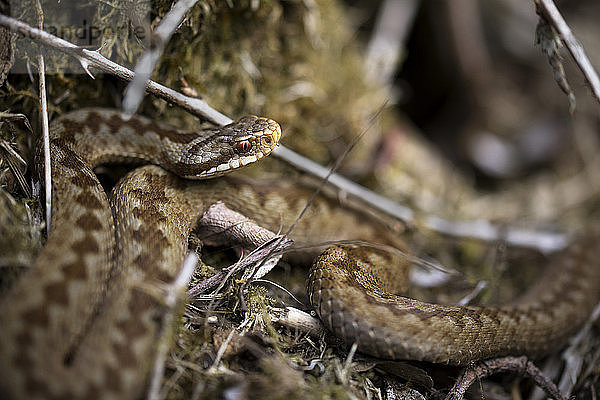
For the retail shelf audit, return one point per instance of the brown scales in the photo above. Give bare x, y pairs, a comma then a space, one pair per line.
399, 327
64, 325
125, 322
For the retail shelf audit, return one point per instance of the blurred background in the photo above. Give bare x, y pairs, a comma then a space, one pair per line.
463, 113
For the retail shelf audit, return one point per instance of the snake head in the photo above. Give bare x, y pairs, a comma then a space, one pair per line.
218, 151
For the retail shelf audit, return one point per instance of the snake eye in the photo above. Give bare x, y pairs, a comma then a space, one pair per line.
243, 147
267, 139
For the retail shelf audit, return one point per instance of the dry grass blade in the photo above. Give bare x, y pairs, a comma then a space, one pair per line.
45, 126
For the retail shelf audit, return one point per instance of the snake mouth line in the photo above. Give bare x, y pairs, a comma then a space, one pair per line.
231, 165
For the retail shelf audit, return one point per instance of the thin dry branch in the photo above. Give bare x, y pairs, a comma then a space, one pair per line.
89, 58
483, 230
134, 93
46, 140
173, 293
517, 365
261, 256
386, 46
548, 10
45, 125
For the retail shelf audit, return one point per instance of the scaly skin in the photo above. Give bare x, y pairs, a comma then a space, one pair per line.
348, 292
83, 321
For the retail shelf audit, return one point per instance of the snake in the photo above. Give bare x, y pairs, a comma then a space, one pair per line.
84, 321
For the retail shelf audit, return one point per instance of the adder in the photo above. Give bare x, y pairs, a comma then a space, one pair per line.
83, 321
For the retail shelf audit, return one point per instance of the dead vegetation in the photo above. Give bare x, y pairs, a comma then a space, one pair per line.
465, 85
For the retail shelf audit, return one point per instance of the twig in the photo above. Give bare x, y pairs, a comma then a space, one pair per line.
478, 229
385, 48
15, 163
466, 300
134, 93
467, 41
89, 58
45, 124
486, 231
333, 169
224, 345
518, 365
344, 373
482, 230
46, 138
272, 248
549, 10
173, 293
220, 225
279, 287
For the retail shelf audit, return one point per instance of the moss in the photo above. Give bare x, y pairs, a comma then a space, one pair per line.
296, 61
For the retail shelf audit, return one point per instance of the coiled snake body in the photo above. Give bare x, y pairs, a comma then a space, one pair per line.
83, 321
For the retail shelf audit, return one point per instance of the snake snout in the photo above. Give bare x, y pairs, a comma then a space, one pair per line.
268, 132
230, 147
275, 130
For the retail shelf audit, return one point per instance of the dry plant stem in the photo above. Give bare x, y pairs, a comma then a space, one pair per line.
221, 351
134, 93
479, 229
335, 167
518, 365
46, 140
220, 225
467, 41
89, 58
549, 10
482, 230
16, 164
343, 374
45, 128
173, 293
386, 46
275, 246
